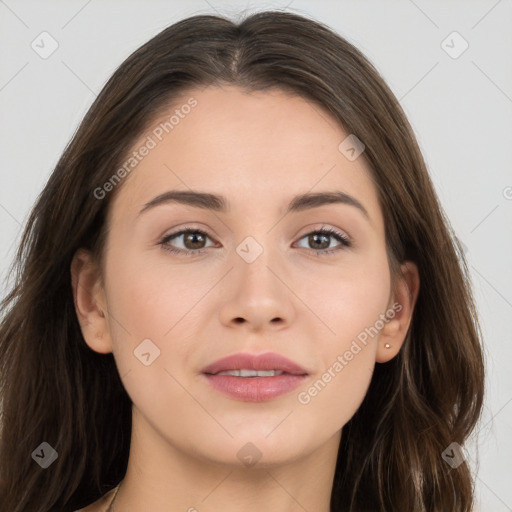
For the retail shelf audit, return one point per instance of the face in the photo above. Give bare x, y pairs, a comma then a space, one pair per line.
253, 277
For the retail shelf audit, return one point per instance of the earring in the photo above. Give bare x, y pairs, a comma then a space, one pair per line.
387, 345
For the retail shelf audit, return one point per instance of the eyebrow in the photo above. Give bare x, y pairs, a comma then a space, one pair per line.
219, 203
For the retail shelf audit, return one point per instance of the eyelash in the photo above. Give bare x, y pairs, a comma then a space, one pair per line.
345, 241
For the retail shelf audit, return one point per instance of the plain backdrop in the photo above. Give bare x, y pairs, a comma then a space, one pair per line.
455, 88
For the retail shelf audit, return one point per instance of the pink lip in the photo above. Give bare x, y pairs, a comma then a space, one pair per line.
266, 361
255, 389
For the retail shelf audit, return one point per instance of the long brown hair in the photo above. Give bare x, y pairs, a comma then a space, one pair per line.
55, 389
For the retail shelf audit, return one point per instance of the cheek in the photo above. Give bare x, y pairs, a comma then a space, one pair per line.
349, 297
350, 303
335, 394
149, 299
156, 318
152, 321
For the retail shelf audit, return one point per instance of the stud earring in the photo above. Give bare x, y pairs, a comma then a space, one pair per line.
387, 345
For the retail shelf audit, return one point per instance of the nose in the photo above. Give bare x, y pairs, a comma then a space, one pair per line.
257, 295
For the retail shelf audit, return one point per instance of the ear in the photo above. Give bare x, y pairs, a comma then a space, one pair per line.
399, 314
90, 302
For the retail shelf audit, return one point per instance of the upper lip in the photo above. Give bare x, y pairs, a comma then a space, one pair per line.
266, 361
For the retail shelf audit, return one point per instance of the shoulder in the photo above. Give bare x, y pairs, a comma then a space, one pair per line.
100, 505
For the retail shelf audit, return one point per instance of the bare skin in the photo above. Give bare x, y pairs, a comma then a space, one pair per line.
258, 150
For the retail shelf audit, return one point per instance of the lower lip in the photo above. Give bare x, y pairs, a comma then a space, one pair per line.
255, 389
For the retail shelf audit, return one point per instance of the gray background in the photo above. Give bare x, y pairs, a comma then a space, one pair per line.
460, 109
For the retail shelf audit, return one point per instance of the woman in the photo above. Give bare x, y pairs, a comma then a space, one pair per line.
238, 290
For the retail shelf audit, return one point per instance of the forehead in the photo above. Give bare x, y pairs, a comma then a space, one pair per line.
252, 147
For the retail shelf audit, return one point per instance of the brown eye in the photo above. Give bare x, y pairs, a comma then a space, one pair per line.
193, 241
320, 241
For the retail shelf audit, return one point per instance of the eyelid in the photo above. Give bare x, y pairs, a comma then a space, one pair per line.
318, 226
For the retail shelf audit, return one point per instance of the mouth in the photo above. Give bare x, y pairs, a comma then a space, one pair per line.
251, 373
254, 378
246, 364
